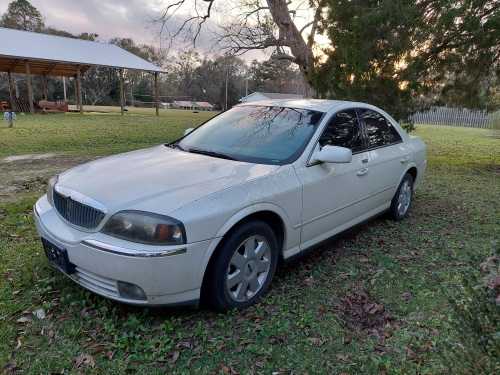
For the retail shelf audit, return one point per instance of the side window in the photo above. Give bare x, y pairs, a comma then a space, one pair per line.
343, 130
379, 131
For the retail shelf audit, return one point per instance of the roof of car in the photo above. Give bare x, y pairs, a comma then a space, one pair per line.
321, 105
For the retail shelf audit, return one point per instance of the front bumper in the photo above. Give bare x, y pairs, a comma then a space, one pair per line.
168, 276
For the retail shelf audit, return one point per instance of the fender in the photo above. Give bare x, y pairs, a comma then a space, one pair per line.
290, 235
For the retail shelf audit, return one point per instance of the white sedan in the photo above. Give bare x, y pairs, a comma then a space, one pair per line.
210, 215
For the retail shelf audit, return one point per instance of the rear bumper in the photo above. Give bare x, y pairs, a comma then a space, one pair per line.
168, 276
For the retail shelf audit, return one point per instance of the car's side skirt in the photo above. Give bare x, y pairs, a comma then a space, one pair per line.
306, 245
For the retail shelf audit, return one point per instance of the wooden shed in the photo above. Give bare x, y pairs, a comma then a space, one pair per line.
48, 55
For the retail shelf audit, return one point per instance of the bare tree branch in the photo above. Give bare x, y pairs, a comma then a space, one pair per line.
260, 25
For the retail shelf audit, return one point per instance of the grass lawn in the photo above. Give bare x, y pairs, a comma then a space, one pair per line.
95, 134
373, 300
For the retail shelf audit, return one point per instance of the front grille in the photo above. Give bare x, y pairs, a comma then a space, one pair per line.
77, 213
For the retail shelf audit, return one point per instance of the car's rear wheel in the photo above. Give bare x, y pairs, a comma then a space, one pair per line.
243, 267
403, 198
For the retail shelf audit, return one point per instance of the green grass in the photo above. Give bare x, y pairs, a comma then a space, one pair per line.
95, 134
313, 320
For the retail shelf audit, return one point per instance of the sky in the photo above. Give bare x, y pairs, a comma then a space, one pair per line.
108, 18
131, 19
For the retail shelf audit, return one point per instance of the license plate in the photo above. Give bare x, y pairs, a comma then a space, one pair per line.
58, 257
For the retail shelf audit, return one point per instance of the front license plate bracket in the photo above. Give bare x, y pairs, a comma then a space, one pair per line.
58, 257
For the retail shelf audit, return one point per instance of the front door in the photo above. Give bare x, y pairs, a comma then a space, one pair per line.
333, 193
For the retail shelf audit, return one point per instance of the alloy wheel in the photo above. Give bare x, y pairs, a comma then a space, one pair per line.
248, 268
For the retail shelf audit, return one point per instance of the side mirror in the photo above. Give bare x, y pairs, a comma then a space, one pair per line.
333, 154
187, 131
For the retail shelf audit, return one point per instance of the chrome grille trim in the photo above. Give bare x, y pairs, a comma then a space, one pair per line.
77, 213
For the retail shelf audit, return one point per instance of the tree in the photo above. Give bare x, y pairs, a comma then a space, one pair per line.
259, 25
275, 75
406, 54
22, 15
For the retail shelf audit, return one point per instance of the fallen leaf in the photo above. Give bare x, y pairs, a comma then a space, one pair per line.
494, 282
342, 357
84, 360
184, 344
24, 319
316, 341
10, 368
407, 296
39, 313
309, 281
175, 356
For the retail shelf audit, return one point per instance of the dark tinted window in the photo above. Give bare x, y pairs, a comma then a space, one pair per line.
343, 130
379, 131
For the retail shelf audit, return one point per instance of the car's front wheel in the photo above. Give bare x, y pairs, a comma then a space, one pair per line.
402, 200
243, 267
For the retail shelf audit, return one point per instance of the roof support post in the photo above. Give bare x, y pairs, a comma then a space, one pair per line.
29, 83
11, 92
157, 95
45, 87
64, 89
79, 90
122, 94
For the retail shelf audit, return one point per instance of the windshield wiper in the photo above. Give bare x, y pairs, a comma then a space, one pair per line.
175, 145
210, 153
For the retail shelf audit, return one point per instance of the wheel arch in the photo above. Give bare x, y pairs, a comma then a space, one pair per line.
267, 212
413, 172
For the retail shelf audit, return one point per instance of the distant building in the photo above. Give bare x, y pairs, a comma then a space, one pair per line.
204, 106
187, 104
256, 96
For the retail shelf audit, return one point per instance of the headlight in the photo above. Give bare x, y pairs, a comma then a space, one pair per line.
50, 189
146, 228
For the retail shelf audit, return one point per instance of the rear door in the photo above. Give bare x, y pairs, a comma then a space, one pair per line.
387, 156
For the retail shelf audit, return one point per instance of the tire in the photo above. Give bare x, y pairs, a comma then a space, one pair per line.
401, 203
239, 276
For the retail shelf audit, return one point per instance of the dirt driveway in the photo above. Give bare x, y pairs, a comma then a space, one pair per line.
21, 174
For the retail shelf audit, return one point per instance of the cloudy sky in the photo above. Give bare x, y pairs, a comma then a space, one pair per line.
108, 18
134, 19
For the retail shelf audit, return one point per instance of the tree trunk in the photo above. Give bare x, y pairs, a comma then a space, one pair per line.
291, 37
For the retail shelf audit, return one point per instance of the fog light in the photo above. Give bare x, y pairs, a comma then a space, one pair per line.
130, 291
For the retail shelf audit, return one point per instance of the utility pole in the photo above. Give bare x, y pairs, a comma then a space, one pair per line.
227, 79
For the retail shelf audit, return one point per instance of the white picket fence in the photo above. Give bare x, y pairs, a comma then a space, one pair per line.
458, 117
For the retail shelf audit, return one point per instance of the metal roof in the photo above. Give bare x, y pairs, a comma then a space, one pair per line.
322, 105
56, 55
270, 95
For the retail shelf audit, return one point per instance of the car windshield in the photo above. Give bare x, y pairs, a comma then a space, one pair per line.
257, 134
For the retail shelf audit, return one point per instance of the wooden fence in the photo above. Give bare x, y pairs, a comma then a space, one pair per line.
458, 117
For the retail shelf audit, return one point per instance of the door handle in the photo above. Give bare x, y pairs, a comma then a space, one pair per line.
405, 159
364, 161
362, 172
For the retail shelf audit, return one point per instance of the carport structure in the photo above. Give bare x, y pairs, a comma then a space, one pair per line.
32, 53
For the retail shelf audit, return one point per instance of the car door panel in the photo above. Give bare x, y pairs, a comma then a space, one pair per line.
386, 165
335, 193
387, 156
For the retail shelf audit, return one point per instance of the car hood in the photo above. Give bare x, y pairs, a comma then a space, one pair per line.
158, 178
